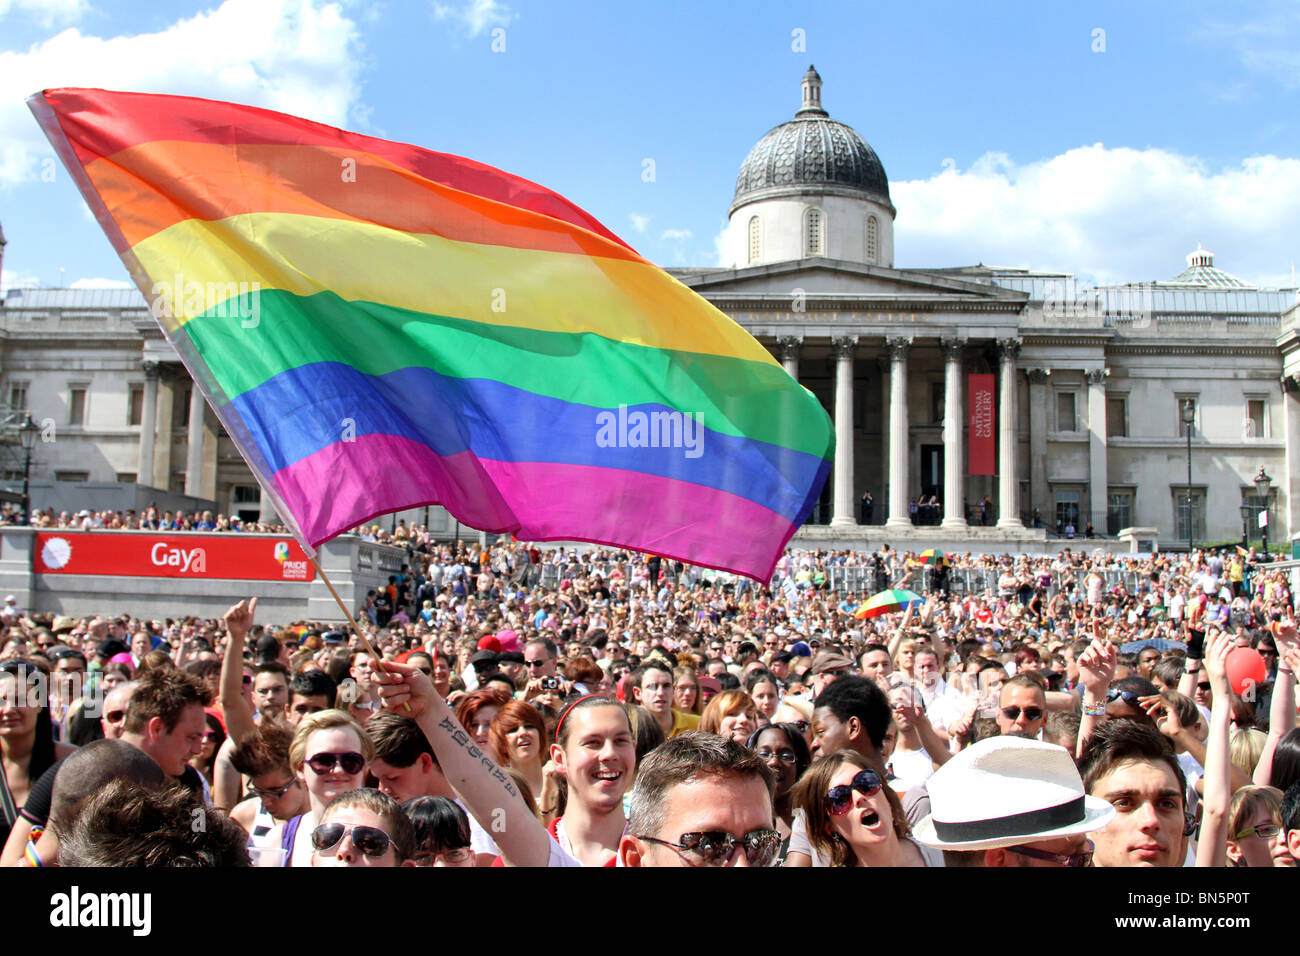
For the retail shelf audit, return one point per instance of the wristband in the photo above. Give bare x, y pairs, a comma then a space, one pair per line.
1095, 710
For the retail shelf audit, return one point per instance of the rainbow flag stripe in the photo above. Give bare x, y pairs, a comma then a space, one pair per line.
380, 327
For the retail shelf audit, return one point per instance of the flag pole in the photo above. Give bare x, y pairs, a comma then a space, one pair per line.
343, 607
365, 641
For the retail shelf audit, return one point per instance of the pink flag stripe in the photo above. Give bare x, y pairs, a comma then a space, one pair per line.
672, 516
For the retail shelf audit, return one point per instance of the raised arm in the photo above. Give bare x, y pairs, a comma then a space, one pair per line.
1212, 850
487, 791
1192, 670
1096, 668
239, 716
1282, 712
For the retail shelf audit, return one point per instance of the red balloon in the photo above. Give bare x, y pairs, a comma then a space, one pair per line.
1246, 671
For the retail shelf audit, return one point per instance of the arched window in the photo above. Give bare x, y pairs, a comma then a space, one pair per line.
873, 240
813, 244
755, 240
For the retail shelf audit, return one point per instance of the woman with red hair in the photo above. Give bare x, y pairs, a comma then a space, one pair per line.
516, 736
477, 710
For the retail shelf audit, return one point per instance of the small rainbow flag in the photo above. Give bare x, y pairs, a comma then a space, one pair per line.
380, 327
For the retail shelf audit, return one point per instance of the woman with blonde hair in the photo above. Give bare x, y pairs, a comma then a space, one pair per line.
329, 755
733, 714
1245, 748
852, 818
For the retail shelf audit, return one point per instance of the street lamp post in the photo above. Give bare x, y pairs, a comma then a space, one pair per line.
1262, 483
1245, 526
27, 435
1189, 416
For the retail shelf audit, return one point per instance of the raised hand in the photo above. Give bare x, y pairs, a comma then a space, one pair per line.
239, 619
1217, 647
1162, 714
1097, 667
403, 689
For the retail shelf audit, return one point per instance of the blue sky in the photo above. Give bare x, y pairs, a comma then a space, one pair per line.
1012, 133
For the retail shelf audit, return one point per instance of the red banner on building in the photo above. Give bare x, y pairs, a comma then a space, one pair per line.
983, 417
146, 555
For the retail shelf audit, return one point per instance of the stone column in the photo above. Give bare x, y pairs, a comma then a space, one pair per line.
899, 439
844, 507
194, 444
1098, 476
211, 437
1008, 479
954, 511
789, 345
1038, 379
881, 494
162, 461
1291, 484
148, 425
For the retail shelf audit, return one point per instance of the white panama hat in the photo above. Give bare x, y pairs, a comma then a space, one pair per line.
1005, 791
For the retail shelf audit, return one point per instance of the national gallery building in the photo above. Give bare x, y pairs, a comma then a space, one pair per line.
1013, 405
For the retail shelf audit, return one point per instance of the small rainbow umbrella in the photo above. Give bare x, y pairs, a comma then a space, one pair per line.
888, 602
932, 556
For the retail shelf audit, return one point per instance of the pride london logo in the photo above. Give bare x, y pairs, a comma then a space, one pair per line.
684, 430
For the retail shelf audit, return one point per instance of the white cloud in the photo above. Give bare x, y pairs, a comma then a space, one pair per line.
639, 222
47, 13
474, 15
1265, 44
298, 56
1110, 215
676, 234
14, 279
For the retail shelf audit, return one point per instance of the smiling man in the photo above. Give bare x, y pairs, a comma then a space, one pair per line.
1133, 767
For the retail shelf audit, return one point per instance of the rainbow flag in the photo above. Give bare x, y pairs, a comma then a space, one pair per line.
380, 327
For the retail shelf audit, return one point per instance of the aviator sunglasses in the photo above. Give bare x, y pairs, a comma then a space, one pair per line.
369, 840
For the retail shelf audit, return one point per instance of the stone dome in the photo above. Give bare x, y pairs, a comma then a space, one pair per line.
811, 154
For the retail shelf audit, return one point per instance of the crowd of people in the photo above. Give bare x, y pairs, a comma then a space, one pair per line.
530, 707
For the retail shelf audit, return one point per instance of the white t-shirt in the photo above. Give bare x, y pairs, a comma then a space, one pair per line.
910, 767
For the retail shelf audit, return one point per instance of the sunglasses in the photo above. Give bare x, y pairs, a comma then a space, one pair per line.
1204, 685
541, 663
717, 847
1083, 858
369, 840
839, 799
1013, 712
115, 716
275, 793
1127, 696
352, 763
785, 756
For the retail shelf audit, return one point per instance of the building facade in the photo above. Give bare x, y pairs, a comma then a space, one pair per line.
1091, 383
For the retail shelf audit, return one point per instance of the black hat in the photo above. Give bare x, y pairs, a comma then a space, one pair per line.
111, 648
510, 657
484, 659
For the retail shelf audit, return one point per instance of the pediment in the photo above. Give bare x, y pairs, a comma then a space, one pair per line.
833, 277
